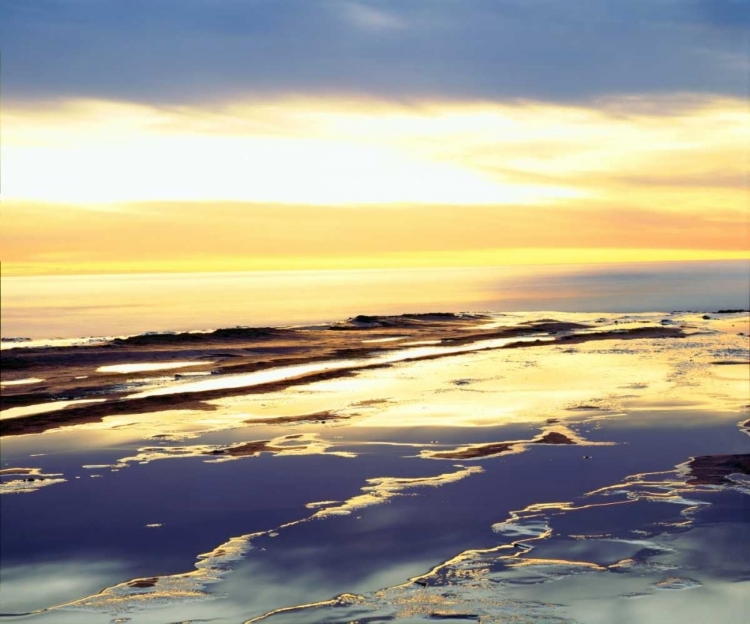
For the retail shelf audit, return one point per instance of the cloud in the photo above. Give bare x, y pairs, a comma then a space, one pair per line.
369, 18
349, 152
171, 51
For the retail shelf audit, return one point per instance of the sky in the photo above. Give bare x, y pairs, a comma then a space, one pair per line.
186, 135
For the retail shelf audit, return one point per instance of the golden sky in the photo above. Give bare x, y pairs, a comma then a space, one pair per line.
99, 186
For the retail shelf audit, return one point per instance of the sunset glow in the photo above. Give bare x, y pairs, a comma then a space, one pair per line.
674, 165
338, 153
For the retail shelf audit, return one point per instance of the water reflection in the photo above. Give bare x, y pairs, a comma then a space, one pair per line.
29, 587
28, 410
21, 382
512, 580
32, 306
291, 372
147, 366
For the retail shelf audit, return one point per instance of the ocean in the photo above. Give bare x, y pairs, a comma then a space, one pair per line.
112, 305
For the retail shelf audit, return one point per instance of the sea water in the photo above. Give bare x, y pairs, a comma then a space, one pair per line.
110, 305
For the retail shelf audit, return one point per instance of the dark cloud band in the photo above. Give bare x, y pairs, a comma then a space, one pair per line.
168, 51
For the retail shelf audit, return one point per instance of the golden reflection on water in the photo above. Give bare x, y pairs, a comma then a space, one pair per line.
163, 302
291, 372
147, 366
21, 382
282, 446
117, 305
475, 388
28, 410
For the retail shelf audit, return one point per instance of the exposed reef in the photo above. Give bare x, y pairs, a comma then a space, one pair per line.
73, 372
714, 469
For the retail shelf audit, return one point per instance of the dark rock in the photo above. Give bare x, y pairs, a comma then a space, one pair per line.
553, 437
143, 583
11, 362
233, 333
714, 469
363, 318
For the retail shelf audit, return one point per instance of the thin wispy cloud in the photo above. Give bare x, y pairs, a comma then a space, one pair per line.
368, 17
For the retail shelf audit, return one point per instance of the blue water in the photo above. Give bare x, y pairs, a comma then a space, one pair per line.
202, 505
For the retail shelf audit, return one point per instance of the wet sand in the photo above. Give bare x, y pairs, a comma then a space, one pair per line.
498, 448
247, 351
17, 471
567, 468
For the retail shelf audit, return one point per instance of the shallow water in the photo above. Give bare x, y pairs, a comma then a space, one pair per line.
146, 366
278, 374
28, 410
603, 529
21, 382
